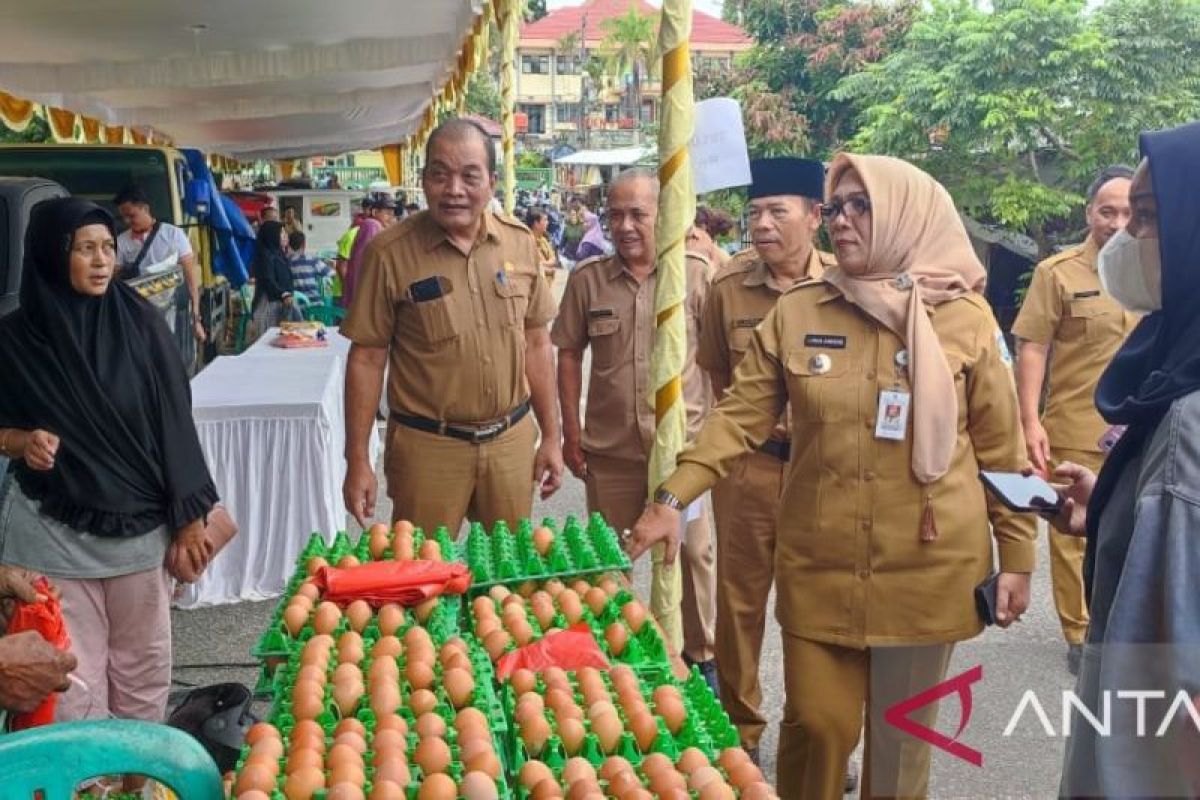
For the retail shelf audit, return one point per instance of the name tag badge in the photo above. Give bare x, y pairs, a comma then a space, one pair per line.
1081, 295
891, 422
827, 341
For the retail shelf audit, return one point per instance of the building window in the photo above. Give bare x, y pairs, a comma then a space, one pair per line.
535, 65
568, 113
536, 114
569, 64
612, 112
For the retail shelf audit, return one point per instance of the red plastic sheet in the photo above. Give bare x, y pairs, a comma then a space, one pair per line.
45, 617
571, 649
406, 582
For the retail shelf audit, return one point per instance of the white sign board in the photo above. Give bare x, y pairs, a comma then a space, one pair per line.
718, 153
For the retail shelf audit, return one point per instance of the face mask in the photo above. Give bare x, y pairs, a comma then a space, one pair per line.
1131, 272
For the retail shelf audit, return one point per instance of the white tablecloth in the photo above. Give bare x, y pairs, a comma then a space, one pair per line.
271, 425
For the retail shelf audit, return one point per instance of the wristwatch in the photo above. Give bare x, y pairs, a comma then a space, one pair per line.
663, 497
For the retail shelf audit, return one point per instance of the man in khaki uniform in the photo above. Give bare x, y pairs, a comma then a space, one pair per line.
1069, 320
609, 306
452, 301
785, 214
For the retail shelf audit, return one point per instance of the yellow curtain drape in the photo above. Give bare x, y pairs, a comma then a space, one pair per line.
114, 134
92, 130
137, 136
286, 169
62, 124
509, 16
393, 163
676, 210
16, 113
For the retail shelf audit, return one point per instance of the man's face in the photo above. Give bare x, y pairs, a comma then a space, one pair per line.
1109, 210
385, 216
632, 211
136, 216
270, 214
782, 227
457, 183
541, 226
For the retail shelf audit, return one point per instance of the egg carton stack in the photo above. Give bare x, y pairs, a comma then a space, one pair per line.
617, 731
503, 620
382, 713
401, 542
531, 554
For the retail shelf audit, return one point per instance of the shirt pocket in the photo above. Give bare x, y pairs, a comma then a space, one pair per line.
605, 343
436, 320
513, 299
817, 386
739, 343
1090, 319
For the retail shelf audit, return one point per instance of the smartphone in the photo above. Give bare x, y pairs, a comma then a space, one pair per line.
1023, 493
986, 601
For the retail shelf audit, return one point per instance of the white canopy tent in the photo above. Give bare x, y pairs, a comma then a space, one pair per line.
615, 157
272, 79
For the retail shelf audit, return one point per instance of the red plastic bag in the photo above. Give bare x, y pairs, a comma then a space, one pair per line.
571, 649
45, 617
404, 582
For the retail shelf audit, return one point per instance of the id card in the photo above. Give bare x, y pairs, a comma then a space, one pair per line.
892, 419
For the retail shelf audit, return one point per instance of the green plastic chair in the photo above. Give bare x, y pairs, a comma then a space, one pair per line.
55, 759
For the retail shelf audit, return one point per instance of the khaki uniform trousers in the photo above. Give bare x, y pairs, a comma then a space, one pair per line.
618, 488
439, 480
829, 691
1066, 559
746, 505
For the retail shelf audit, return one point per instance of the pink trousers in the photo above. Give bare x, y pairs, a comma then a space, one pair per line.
120, 632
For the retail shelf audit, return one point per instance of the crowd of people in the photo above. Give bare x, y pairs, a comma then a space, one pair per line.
840, 407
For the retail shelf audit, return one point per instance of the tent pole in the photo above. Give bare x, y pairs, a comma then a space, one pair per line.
510, 19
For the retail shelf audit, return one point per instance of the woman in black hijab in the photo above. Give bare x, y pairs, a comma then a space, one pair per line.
272, 279
108, 482
1141, 515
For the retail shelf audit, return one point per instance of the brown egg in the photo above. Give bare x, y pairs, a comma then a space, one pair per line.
571, 731
326, 618
634, 614
254, 794
672, 713
570, 606
528, 706
387, 645
585, 789
716, 790
613, 765
431, 550
304, 758
655, 763
569, 711
608, 729
437, 787
556, 678
418, 637
591, 686
308, 590
422, 701
294, 617
523, 680
430, 724
498, 593
743, 774
307, 705
308, 728
485, 626
543, 540
597, 599
534, 772
390, 618
391, 722
432, 755
424, 611
343, 754
359, 614
302, 783
543, 611
403, 527
617, 637
347, 561
759, 790
419, 675
350, 648
352, 739
662, 782
644, 729
312, 673
478, 786
347, 673
343, 778
459, 661
522, 632
314, 564
470, 719
601, 708
486, 762
534, 733
732, 756
578, 768
386, 790
255, 777
377, 545
623, 784
384, 670
385, 699
483, 606
496, 643
394, 772
459, 686
546, 789
346, 696
691, 760
388, 740
267, 747
623, 675
402, 547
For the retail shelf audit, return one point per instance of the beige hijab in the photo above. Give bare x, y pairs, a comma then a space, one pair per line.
915, 229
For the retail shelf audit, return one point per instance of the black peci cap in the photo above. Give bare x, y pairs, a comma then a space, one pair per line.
798, 176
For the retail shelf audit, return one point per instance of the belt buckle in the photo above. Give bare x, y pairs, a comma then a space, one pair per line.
482, 434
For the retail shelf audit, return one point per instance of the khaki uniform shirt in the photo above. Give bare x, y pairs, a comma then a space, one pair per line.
854, 569
1067, 309
606, 309
741, 295
455, 323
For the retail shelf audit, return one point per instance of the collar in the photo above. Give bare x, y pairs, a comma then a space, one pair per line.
760, 274
434, 234
616, 268
1090, 253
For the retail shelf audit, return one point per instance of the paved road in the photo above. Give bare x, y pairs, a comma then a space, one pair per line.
1026, 764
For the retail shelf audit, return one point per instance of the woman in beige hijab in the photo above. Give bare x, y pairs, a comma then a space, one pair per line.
901, 391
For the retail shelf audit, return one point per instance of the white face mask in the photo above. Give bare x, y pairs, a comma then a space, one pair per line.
1131, 272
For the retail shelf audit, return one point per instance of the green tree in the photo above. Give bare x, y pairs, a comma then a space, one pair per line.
483, 96
630, 48
38, 130
1016, 108
535, 10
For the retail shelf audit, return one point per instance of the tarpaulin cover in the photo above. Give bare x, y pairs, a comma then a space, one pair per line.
572, 649
45, 617
406, 582
233, 245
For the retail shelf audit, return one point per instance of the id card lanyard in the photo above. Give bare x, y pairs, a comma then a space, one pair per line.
891, 419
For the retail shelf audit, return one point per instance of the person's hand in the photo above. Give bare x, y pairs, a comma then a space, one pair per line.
1012, 597
548, 468
658, 524
1075, 485
1037, 444
198, 331
39, 450
16, 586
359, 491
30, 669
574, 457
189, 553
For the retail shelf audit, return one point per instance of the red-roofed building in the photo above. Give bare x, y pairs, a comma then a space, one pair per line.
550, 77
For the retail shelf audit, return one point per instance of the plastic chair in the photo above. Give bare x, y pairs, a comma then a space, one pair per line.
247, 295
54, 759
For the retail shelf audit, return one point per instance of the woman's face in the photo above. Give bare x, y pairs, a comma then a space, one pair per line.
848, 216
283, 239
1143, 222
93, 260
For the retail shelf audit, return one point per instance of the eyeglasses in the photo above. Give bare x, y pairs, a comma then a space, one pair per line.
852, 207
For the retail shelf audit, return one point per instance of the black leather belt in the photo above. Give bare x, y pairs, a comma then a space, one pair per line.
774, 447
475, 434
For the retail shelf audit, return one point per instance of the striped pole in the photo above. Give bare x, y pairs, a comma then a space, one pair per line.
676, 210
510, 17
